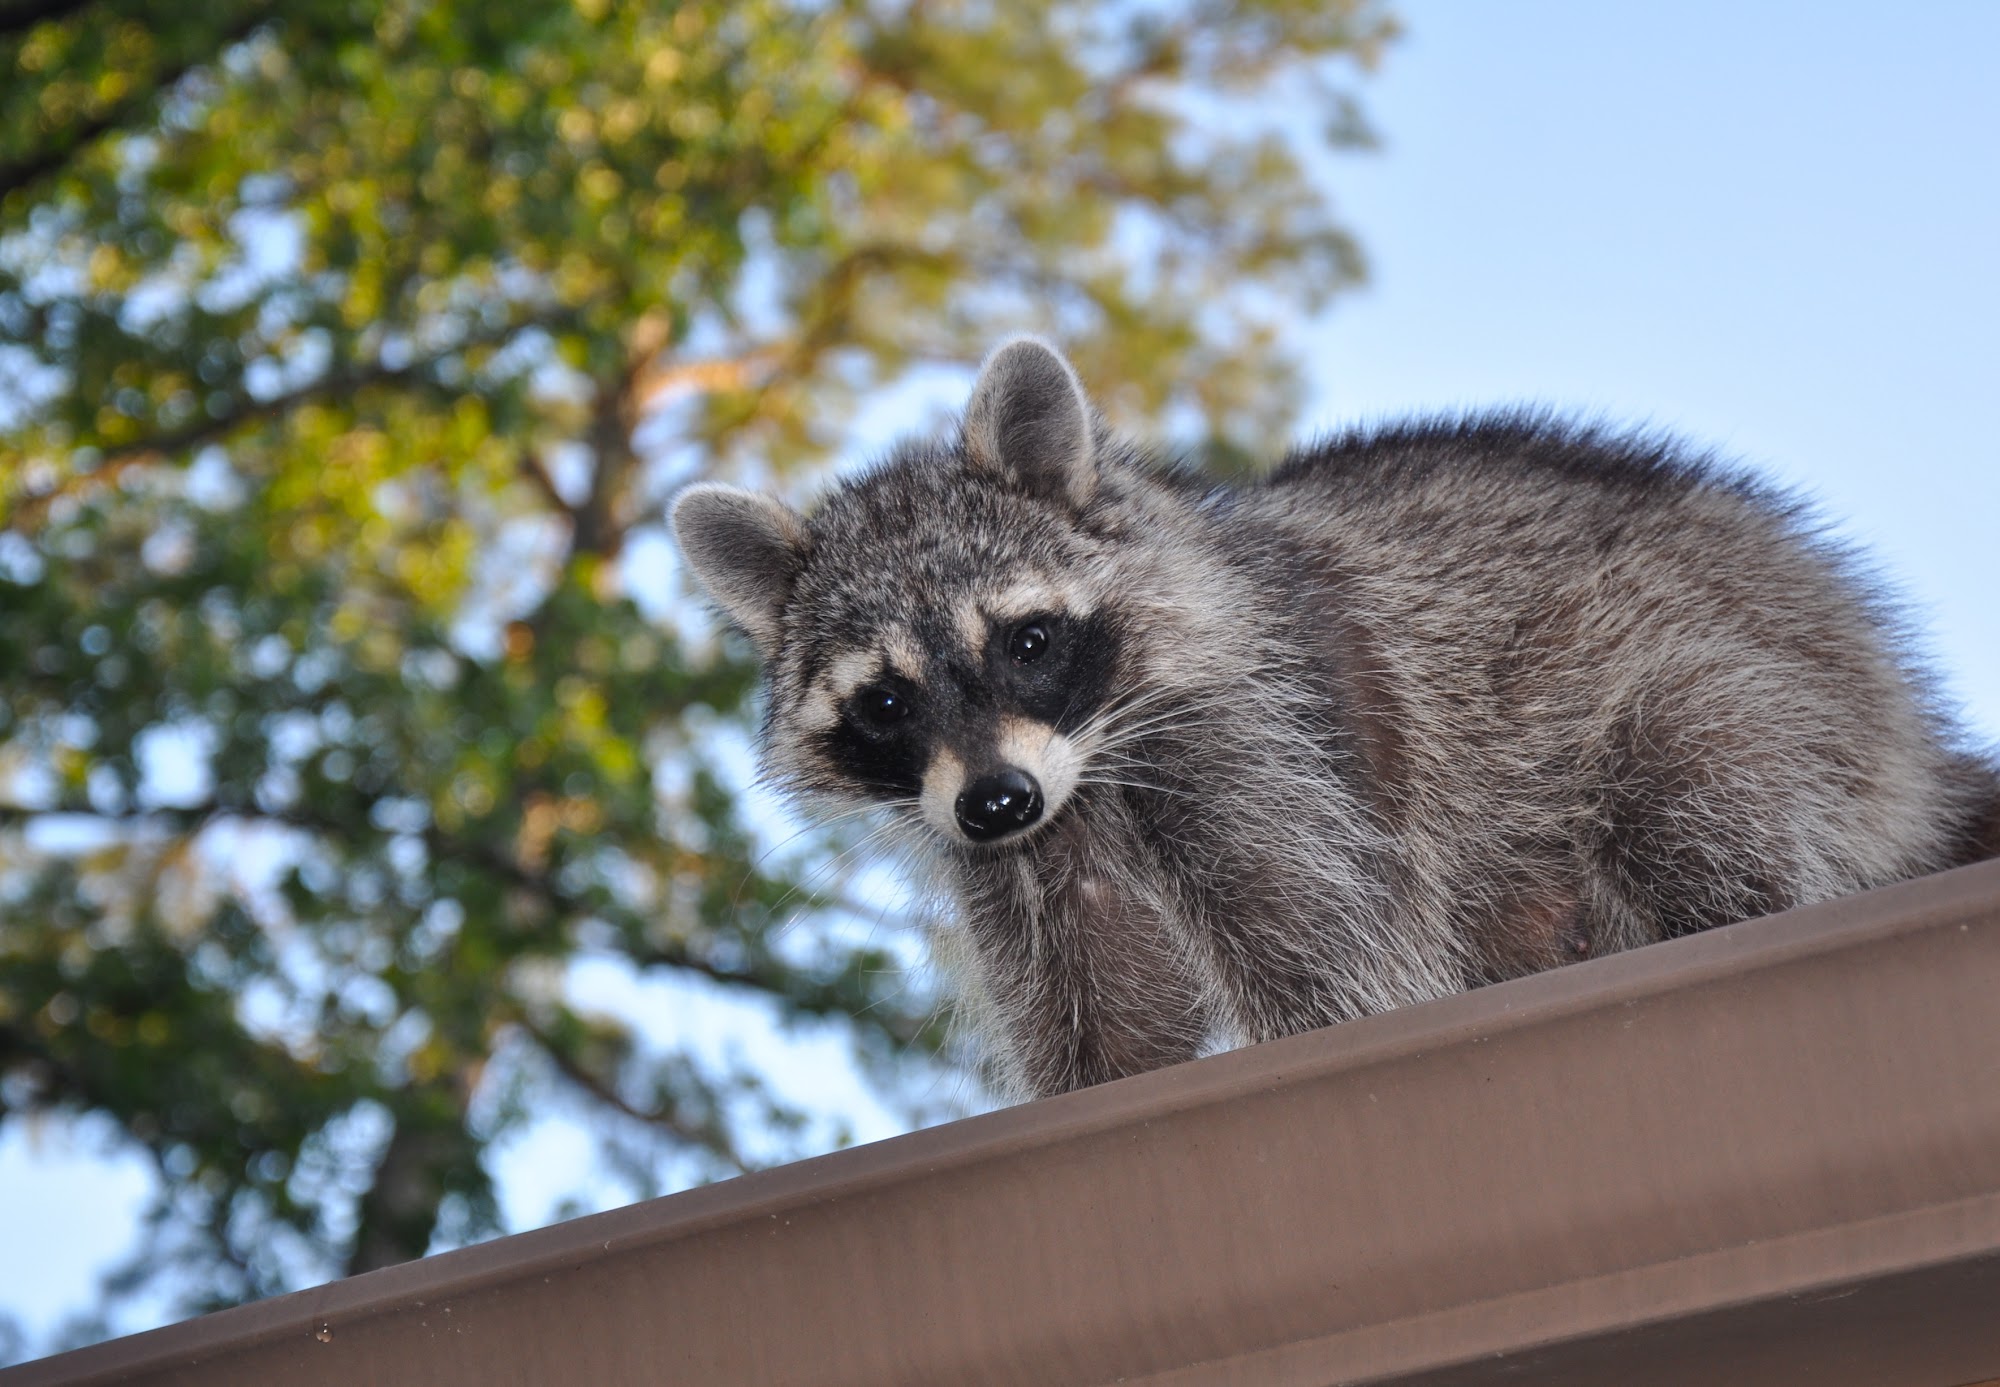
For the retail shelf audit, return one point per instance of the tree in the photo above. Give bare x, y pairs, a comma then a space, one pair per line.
346, 354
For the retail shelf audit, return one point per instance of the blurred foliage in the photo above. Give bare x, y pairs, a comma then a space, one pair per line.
345, 352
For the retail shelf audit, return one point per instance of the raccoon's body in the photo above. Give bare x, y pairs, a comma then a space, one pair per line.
1426, 708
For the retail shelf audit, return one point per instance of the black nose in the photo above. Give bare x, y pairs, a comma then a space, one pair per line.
999, 804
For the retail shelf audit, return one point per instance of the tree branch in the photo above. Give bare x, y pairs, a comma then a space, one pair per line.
398, 1214
115, 461
192, 819
660, 382
69, 143
534, 467
597, 526
756, 371
710, 1136
24, 15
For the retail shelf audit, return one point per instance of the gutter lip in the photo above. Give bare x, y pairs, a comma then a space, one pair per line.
1734, 954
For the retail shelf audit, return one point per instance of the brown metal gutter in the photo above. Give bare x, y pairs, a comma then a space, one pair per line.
1768, 1154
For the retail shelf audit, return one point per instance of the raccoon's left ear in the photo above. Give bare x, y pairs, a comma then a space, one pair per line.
1029, 422
746, 548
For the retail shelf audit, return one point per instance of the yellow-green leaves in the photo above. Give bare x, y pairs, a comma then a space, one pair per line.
346, 353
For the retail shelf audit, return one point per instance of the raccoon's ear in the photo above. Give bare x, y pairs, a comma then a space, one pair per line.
746, 549
1029, 422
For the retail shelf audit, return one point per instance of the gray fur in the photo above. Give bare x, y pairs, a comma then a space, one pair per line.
1425, 708
745, 548
1028, 422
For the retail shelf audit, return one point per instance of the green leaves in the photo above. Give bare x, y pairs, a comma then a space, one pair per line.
345, 352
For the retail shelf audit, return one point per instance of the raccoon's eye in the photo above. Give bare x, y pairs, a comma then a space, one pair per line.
881, 707
1028, 643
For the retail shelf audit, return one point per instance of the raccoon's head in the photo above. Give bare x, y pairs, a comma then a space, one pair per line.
937, 633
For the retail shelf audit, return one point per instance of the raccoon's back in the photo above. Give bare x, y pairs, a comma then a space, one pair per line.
1519, 543
1507, 507
1554, 613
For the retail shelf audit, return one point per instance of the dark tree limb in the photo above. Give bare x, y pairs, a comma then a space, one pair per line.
810, 998
68, 144
534, 467
710, 1136
23, 15
396, 1219
29, 510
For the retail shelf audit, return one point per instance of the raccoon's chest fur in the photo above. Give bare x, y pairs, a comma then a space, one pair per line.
1089, 930
1426, 708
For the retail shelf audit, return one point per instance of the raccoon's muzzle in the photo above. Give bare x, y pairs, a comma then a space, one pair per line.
996, 805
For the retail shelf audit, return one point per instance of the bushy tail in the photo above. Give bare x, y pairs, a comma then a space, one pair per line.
1982, 833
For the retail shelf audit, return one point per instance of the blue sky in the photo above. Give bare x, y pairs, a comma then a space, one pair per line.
1771, 228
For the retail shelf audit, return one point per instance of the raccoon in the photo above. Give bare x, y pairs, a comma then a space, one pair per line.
1427, 707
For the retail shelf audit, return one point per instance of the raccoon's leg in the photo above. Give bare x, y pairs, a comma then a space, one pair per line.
1301, 939
1525, 912
1082, 974
1702, 823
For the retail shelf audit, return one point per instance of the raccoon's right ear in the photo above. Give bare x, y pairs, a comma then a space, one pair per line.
746, 548
1029, 422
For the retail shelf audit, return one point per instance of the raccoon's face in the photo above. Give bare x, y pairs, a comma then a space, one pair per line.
976, 716
938, 636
